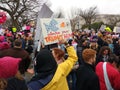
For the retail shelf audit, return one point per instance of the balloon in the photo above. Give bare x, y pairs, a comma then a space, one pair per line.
14, 29
3, 17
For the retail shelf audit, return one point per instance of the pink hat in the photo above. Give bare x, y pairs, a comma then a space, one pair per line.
8, 66
4, 45
9, 35
2, 38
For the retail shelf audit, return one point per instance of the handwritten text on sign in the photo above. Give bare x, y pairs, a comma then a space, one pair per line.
55, 29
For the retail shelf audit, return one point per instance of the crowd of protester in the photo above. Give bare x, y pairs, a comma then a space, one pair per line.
87, 61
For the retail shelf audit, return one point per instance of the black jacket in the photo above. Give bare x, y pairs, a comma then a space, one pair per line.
117, 49
16, 84
86, 78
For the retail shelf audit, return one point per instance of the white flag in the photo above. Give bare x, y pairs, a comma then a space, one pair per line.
45, 12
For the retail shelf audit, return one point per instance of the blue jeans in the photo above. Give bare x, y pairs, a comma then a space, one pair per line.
72, 77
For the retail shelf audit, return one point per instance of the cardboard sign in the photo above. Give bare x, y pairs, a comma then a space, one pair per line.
55, 29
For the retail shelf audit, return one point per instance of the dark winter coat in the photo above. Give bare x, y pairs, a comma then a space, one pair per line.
86, 78
16, 84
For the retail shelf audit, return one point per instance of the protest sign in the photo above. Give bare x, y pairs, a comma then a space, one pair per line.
116, 29
55, 29
102, 28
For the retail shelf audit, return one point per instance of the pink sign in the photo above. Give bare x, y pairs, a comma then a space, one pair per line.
27, 27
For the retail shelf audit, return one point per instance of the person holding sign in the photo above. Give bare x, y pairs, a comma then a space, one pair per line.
50, 75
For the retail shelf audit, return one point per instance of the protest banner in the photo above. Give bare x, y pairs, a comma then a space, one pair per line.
55, 29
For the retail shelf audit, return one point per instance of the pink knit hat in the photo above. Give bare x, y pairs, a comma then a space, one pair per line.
2, 38
4, 45
8, 66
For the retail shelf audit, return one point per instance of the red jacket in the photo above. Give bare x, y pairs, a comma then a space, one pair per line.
113, 75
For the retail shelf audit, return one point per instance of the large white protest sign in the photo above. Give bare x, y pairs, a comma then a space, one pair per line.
55, 29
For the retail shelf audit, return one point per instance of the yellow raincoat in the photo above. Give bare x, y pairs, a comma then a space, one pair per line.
59, 81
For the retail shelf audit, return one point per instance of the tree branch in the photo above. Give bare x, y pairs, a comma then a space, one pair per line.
17, 6
4, 9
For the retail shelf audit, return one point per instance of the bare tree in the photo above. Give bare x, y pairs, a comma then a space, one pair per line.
73, 13
74, 22
112, 19
7, 23
74, 17
89, 15
17, 9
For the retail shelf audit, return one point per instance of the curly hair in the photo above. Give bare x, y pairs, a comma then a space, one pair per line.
87, 54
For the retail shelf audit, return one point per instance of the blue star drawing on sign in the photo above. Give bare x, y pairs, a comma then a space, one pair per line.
51, 26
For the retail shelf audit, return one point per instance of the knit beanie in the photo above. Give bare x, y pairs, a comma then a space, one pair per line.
8, 66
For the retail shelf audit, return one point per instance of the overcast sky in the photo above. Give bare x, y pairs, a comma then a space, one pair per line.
104, 6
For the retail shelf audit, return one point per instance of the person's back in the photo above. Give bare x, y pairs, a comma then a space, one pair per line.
17, 52
14, 52
14, 83
113, 75
86, 77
